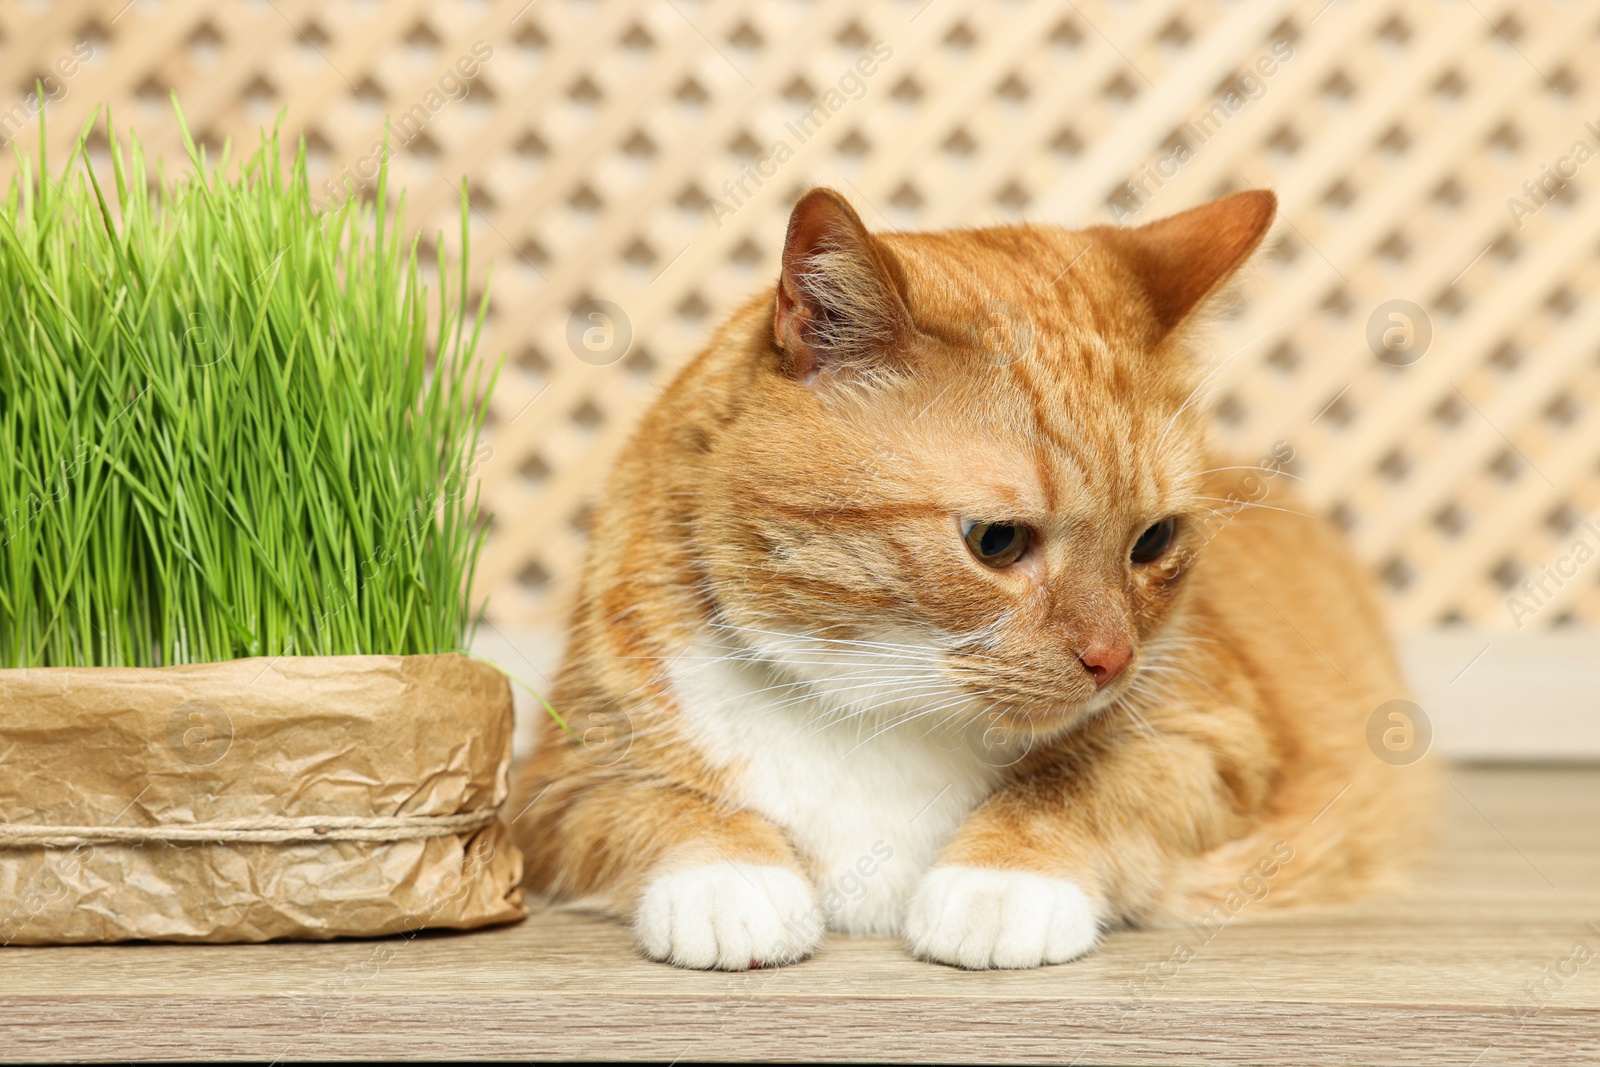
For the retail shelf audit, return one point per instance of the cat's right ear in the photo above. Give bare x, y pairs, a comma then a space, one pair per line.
838, 307
1182, 260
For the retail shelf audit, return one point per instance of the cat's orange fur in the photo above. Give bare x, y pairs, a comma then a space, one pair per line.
788, 520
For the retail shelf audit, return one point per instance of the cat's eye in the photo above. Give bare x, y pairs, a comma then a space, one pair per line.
997, 544
1154, 542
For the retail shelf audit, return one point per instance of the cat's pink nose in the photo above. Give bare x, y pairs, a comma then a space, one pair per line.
1105, 659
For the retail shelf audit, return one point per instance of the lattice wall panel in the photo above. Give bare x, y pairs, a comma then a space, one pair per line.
600, 138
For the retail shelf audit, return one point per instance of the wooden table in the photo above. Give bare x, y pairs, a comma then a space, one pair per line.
1439, 974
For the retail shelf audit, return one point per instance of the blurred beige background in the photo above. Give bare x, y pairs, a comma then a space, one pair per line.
1434, 153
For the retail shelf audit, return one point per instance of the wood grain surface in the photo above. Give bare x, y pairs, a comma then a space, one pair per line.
1487, 959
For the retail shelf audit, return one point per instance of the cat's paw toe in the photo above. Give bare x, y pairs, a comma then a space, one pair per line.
978, 918
728, 916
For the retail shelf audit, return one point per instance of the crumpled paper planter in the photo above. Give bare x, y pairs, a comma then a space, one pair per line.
296, 797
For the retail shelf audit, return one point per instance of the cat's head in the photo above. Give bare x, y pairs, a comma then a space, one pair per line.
965, 469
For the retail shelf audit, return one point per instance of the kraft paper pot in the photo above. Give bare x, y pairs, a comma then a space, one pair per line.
296, 797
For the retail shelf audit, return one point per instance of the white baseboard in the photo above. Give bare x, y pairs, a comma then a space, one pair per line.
1508, 696
1497, 697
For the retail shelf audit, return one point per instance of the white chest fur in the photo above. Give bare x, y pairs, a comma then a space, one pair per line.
867, 799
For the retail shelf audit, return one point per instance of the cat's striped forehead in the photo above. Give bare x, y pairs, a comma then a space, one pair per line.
1058, 285
1034, 342
1017, 440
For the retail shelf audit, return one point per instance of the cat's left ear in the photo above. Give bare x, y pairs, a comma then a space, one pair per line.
838, 307
1182, 260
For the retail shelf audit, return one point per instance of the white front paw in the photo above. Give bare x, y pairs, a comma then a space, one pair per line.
728, 916
977, 917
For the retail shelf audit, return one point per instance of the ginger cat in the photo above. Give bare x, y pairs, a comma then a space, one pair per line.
917, 605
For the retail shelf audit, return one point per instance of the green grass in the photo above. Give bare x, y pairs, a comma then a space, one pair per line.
229, 426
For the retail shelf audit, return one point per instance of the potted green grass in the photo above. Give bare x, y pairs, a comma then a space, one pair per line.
237, 539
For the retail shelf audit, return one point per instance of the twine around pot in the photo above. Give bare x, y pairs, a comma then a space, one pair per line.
270, 829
